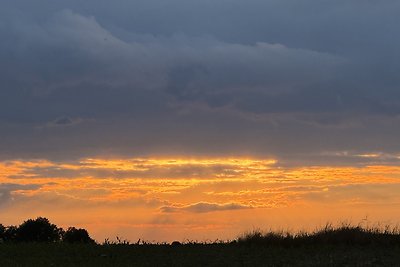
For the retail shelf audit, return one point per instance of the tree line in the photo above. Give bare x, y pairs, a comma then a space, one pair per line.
42, 230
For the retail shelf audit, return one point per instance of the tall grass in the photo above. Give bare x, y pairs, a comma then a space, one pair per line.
343, 245
344, 234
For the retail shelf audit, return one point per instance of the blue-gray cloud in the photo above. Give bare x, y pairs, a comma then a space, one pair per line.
286, 78
7, 190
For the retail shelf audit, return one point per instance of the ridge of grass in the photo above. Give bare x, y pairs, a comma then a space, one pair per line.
343, 245
344, 234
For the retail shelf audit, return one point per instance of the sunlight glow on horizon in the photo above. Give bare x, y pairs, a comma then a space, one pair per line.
134, 196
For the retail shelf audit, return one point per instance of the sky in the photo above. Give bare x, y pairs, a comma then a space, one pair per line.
199, 119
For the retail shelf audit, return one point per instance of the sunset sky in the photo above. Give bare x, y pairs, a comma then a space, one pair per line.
199, 119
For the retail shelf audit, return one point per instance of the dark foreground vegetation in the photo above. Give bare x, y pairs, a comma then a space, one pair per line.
345, 245
41, 230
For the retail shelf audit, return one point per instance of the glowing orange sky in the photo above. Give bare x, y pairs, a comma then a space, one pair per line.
195, 198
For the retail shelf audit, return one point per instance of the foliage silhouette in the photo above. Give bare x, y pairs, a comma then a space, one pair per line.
10, 233
2, 230
38, 230
41, 230
74, 235
329, 235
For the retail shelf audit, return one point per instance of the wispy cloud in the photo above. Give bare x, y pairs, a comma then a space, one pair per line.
234, 168
203, 207
7, 190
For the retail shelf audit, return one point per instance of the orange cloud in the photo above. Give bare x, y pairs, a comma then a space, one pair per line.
138, 191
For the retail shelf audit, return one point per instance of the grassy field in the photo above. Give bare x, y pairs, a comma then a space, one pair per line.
345, 246
196, 255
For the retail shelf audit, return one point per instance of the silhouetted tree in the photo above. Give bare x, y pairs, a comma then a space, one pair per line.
10, 233
39, 230
2, 230
74, 235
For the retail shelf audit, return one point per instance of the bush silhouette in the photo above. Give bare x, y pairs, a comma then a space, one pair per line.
38, 230
74, 235
9, 233
2, 230
342, 235
41, 230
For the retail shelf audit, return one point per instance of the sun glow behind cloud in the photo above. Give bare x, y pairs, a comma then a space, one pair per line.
172, 198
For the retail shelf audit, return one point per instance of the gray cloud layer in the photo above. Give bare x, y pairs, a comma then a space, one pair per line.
204, 207
7, 190
284, 78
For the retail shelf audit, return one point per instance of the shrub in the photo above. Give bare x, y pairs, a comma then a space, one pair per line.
10, 233
74, 235
2, 230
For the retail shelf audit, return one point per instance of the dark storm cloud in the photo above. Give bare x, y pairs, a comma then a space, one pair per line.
286, 78
71, 64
